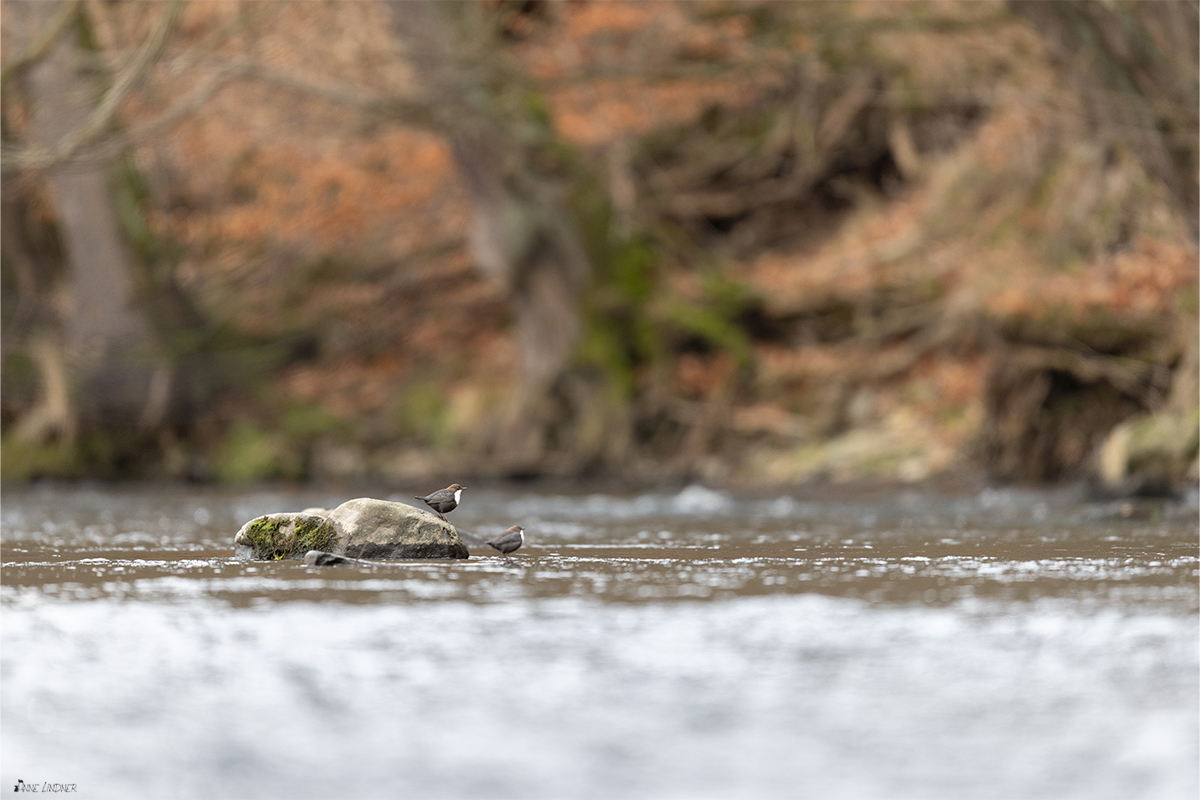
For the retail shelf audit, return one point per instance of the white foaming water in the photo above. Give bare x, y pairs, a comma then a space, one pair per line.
693, 500
697, 499
800, 696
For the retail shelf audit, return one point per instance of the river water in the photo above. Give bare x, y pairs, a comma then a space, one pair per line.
692, 643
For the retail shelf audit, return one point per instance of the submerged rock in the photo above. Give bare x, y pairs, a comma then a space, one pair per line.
317, 558
288, 535
370, 528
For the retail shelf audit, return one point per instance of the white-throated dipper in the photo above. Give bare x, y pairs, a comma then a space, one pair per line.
443, 501
510, 540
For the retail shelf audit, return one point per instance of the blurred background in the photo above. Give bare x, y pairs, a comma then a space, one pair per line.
736, 242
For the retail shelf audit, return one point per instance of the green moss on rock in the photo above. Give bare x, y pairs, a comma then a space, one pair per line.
278, 536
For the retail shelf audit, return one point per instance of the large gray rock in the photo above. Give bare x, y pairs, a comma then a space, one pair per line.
376, 529
289, 535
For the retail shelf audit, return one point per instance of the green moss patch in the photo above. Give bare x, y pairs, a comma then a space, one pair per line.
282, 536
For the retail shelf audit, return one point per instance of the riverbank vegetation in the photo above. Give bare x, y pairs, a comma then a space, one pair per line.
733, 242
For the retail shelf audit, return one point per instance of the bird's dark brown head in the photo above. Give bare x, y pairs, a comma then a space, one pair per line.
454, 487
515, 529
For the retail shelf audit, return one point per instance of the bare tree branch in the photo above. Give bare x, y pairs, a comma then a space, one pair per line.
36, 157
41, 46
417, 112
221, 70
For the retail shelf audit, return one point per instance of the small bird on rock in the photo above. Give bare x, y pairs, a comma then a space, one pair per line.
443, 501
510, 540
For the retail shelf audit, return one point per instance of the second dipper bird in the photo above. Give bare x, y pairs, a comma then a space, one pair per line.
443, 501
510, 540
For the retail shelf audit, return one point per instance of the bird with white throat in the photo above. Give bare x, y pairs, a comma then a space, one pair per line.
443, 501
509, 541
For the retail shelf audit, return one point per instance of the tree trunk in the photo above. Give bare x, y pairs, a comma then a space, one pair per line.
521, 235
110, 344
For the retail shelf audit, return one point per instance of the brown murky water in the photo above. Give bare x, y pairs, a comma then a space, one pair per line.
691, 643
